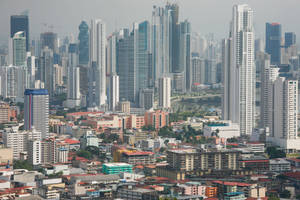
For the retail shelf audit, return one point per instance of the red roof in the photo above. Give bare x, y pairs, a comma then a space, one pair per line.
249, 161
295, 175
294, 159
232, 183
82, 113
138, 153
71, 141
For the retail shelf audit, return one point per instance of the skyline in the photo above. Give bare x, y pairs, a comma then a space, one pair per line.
192, 10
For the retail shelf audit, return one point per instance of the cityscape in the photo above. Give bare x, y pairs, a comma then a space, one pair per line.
156, 110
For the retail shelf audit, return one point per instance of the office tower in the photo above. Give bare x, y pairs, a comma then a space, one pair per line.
143, 55
73, 77
31, 68
273, 42
160, 43
164, 87
13, 81
239, 70
20, 23
97, 78
179, 82
111, 53
127, 64
146, 98
259, 46
83, 38
19, 49
113, 92
185, 53
46, 70
289, 39
269, 74
124, 106
58, 76
172, 23
36, 110
284, 118
49, 39
198, 70
210, 71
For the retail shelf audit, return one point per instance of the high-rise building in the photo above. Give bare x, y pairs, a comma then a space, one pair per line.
111, 53
210, 71
36, 110
198, 70
146, 98
46, 70
20, 23
73, 77
164, 88
160, 42
83, 47
18, 140
114, 92
273, 42
268, 76
127, 65
185, 53
289, 39
284, 119
97, 81
19, 49
13, 81
143, 55
49, 39
239, 70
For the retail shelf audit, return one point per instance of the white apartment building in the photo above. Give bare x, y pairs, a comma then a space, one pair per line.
239, 70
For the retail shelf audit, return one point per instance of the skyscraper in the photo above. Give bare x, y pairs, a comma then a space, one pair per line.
198, 70
111, 53
284, 119
19, 49
83, 38
185, 53
73, 77
127, 66
46, 70
113, 92
146, 99
160, 42
289, 39
269, 74
143, 55
164, 86
49, 39
273, 42
97, 82
239, 70
36, 110
20, 23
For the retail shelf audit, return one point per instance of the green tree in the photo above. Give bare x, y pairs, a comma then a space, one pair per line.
19, 164
84, 154
285, 194
273, 152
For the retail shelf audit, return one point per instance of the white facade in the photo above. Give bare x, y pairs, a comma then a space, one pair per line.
97, 81
285, 108
18, 140
36, 111
114, 92
225, 129
239, 70
164, 87
34, 152
13, 81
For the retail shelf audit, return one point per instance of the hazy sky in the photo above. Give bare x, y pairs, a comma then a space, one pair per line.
206, 16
